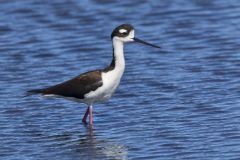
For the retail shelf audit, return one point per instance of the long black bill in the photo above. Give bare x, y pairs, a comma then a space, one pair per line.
143, 42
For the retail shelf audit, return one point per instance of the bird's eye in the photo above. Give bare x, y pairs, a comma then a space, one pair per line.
124, 33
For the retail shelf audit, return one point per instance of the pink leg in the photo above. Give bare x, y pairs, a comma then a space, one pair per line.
84, 120
90, 115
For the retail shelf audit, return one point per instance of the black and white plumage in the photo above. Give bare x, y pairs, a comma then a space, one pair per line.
98, 85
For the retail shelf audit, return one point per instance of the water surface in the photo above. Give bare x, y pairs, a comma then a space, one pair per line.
180, 102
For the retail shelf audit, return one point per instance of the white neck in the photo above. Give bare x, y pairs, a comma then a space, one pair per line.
118, 54
112, 75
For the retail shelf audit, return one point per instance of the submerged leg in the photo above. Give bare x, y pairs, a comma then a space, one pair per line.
84, 120
90, 115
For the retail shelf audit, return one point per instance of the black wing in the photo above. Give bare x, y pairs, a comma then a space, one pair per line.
76, 87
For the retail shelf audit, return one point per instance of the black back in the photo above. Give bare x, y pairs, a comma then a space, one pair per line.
76, 87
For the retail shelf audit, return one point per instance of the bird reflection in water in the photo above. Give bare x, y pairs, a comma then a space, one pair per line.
88, 145
102, 148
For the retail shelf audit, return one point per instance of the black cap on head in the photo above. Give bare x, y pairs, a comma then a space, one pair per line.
122, 30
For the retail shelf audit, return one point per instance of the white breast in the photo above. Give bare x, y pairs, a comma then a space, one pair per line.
110, 79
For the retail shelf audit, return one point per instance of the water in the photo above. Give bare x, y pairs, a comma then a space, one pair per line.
180, 102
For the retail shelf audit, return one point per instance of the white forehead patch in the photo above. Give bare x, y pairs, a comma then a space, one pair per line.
131, 34
122, 30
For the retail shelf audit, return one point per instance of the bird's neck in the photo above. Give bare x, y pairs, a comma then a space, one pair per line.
118, 61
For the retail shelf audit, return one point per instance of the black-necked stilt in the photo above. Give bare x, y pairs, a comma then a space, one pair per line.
98, 85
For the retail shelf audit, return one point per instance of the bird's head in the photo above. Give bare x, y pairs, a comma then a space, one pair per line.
125, 33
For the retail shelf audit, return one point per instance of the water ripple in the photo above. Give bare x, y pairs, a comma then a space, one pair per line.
180, 102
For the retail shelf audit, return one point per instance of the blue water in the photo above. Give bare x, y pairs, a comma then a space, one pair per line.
180, 102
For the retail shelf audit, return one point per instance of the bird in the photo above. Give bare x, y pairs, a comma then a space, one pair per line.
97, 85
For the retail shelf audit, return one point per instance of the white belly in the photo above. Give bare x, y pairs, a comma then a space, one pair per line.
111, 81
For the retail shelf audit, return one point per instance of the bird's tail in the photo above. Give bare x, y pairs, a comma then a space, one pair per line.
34, 91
